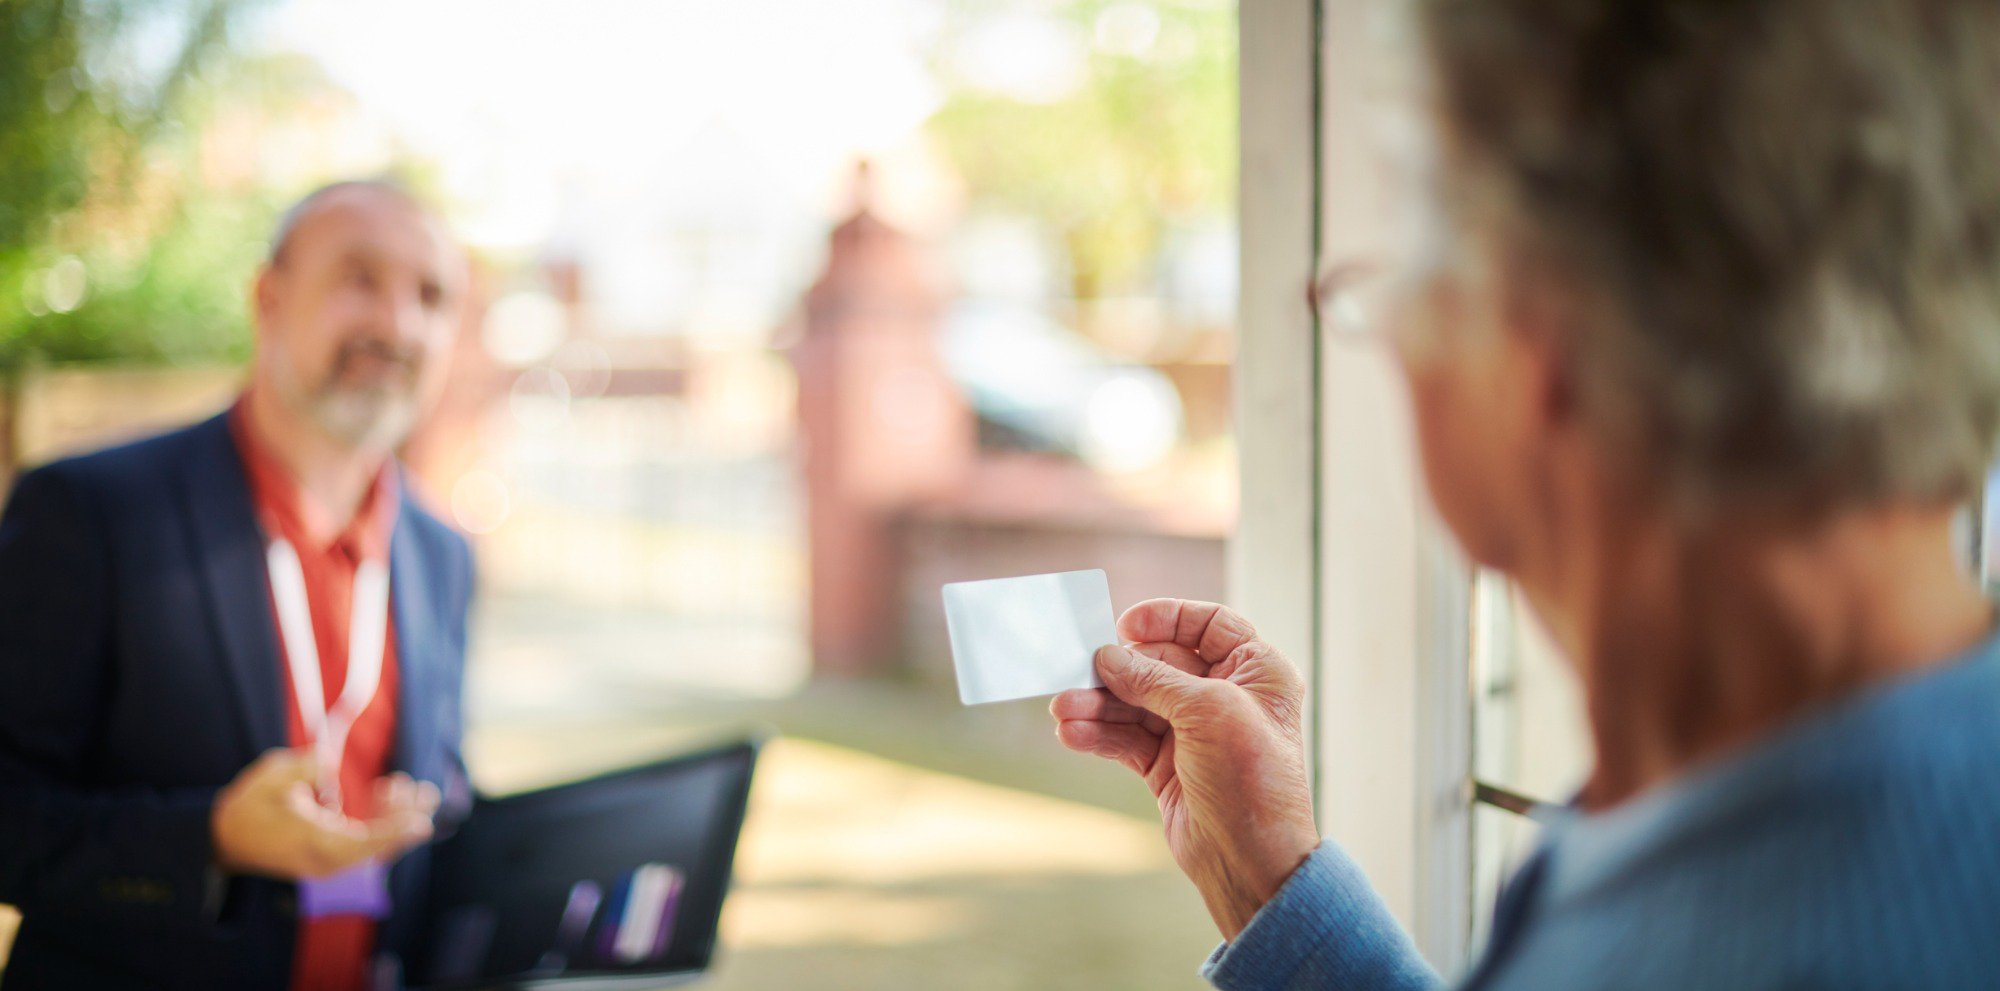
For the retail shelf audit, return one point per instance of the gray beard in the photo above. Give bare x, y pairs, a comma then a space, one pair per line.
368, 419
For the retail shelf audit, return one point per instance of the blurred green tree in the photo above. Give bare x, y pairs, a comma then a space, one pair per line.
107, 251
1107, 120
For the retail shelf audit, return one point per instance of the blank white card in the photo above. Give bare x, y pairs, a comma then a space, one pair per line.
1015, 638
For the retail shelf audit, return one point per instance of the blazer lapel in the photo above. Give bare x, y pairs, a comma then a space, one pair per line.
417, 641
229, 547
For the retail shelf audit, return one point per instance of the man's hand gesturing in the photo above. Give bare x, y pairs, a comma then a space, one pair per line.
268, 821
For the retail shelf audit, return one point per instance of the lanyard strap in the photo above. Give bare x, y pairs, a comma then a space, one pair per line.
367, 638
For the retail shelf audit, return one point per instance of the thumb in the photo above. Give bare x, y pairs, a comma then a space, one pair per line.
1150, 683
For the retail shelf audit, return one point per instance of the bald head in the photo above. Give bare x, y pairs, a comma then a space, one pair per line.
355, 308
336, 194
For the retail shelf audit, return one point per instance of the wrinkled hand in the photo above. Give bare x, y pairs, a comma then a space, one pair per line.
269, 822
1210, 716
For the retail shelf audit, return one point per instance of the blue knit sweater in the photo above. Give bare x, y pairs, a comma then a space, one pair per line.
1857, 849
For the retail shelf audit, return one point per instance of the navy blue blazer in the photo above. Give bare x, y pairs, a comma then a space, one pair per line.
139, 672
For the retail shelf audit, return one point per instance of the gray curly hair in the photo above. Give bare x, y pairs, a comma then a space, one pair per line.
1784, 216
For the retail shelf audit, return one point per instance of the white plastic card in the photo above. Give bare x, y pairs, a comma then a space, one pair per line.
1015, 638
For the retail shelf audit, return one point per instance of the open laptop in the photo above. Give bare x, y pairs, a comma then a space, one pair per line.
615, 882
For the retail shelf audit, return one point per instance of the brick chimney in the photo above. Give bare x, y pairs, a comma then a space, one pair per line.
882, 427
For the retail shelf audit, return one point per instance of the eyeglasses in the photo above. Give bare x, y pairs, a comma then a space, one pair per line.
1353, 300
1368, 301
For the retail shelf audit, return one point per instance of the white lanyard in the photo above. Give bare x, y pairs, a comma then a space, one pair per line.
367, 637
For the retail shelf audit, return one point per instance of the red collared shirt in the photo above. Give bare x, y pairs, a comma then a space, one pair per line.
334, 953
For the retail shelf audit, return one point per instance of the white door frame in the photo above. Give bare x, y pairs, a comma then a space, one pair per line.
1336, 556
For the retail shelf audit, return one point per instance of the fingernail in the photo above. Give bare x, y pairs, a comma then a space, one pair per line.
1113, 656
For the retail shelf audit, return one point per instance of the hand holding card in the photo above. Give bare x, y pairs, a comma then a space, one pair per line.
1211, 718
1015, 638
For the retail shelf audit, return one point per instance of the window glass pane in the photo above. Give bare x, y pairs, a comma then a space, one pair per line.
1529, 734
1527, 711
1500, 841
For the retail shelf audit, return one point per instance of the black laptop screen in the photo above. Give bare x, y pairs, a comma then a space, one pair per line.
618, 875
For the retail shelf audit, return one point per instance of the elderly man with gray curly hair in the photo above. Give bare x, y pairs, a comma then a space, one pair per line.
1713, 362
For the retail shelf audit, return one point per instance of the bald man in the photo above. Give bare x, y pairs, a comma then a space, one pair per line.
231, 656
